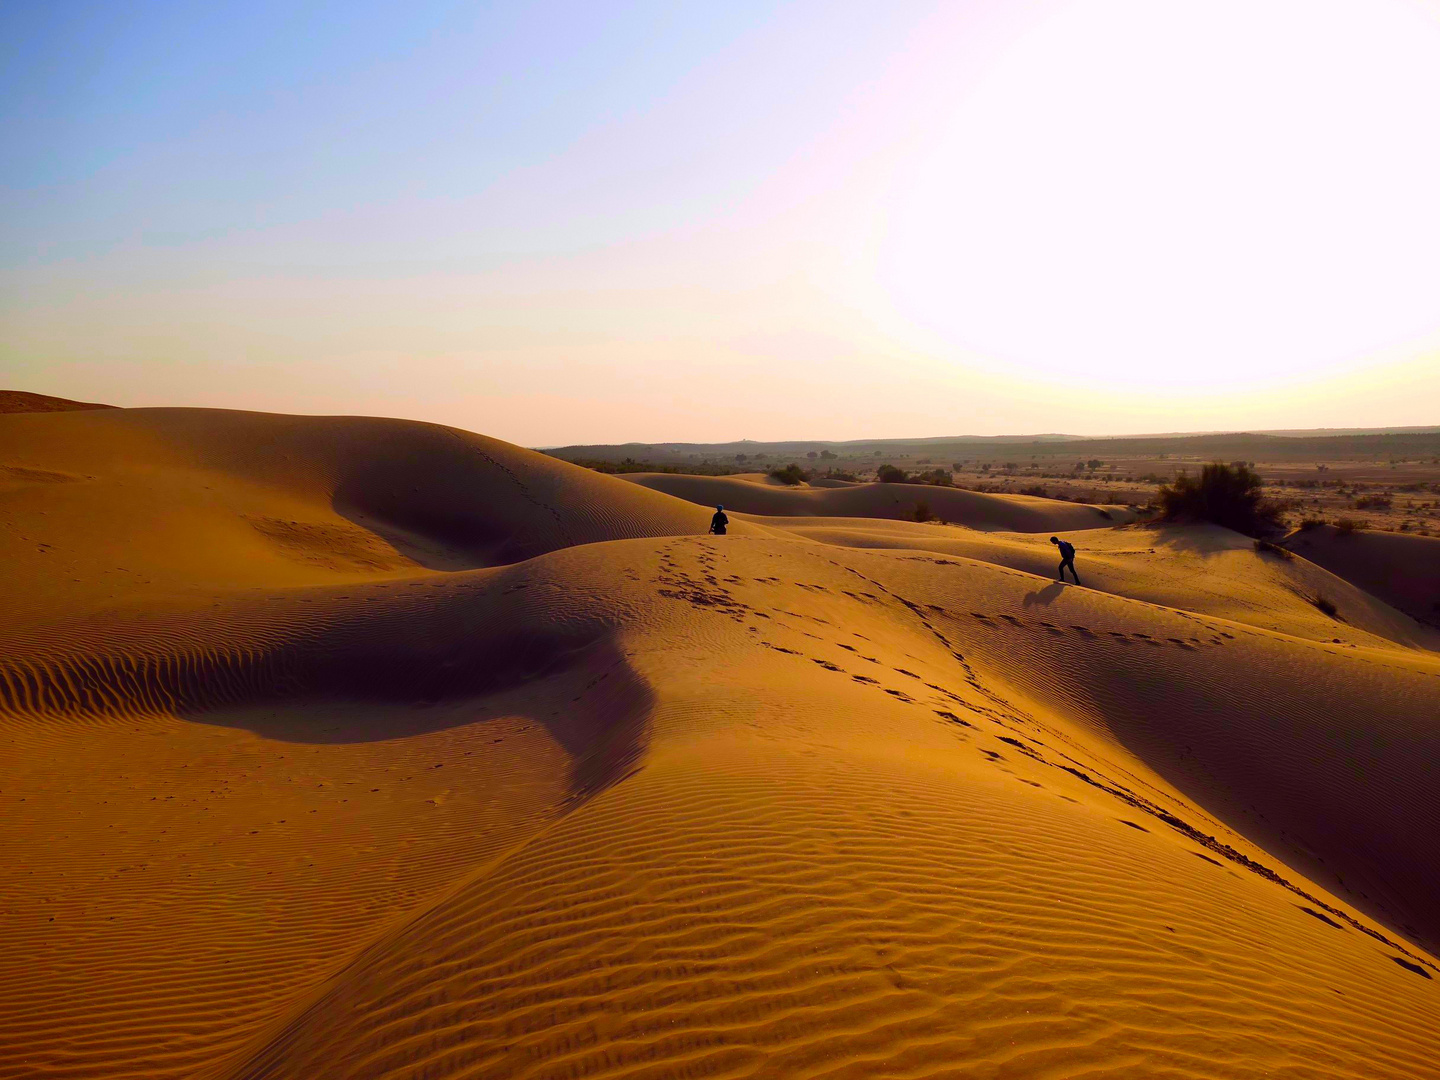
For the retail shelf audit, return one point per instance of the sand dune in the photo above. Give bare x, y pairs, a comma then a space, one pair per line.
977, 510
184, 499
1402, 570
21, 401
1203, 569
467, 762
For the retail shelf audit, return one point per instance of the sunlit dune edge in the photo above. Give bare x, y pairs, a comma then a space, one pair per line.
352, 747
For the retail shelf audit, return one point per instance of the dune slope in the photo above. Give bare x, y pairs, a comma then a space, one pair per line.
791, 802
978, 510
100, 505
1400, 569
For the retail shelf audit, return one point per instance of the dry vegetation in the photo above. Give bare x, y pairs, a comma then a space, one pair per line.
1394, 494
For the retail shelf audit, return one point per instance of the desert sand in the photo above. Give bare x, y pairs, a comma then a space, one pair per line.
346, 747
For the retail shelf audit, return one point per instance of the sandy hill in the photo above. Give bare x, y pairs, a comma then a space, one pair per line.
19, 401
357, 748
102, 504
1402, 569
977, 510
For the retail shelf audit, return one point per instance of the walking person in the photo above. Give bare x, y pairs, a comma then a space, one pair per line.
719, 521
1067, 558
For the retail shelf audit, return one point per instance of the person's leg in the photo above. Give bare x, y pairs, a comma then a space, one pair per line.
1073, 574
1062, 569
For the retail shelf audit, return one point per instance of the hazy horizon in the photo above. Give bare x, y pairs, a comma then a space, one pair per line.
559, 225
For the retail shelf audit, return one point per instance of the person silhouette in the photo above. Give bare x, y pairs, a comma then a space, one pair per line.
1067, 558
719, 521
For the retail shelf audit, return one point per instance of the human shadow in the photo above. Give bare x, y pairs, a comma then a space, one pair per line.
1044, 596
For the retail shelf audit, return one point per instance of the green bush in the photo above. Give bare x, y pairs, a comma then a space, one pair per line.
1228, 495
790, 474
1345, 526
922, 512
889, 474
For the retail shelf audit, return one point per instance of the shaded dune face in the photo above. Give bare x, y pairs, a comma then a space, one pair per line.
360, 748
977, 510
1402, 570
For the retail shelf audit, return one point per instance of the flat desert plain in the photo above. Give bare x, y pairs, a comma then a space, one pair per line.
335, 747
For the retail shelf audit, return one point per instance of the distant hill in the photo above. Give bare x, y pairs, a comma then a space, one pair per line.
1317, 445
21, 401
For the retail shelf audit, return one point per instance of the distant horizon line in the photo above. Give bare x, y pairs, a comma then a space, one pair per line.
1322, 432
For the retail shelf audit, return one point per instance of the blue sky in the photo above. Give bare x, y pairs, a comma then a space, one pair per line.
573, 222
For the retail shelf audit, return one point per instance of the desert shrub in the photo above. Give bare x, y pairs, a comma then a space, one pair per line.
1038, 490
838, 474
1325, 604
1373, 502
889, 474
1345, 526
1228, 495
1265, 547
1311, 523
937, 477
790, 474
922, 512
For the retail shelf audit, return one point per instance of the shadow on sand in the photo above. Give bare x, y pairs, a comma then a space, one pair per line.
1044, 596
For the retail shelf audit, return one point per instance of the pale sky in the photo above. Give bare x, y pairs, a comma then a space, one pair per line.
595, 222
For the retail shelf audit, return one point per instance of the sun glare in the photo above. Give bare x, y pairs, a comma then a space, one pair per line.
1195, 194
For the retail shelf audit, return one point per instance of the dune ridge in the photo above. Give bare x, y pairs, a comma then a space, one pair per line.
974, 509
474, 763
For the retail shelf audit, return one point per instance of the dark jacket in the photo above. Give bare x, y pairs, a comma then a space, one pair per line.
718, 523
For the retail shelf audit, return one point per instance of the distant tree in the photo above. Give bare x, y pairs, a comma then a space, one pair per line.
1228, 495
741, 457
957, 466
922, 512
938, 477
791, 474
889, 474
812, 455
1093, 464
985, 467
827, 455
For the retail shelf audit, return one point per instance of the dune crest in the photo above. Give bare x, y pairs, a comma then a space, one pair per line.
361, 748
974, 509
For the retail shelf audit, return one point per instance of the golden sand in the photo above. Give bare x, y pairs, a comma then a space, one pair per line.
343, 747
